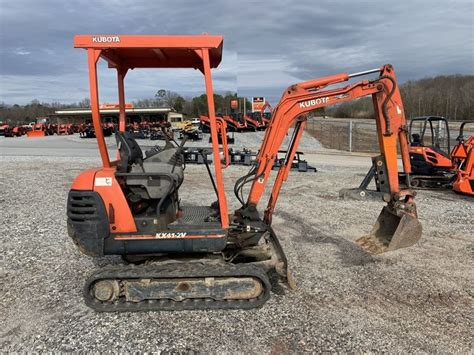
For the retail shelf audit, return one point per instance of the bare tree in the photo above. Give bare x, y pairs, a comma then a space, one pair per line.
86, 103
451, 96
168, 98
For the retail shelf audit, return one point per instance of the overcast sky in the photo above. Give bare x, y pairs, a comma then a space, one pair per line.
268, 45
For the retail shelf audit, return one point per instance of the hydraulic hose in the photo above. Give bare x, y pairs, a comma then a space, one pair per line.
244, 180
206, 163
241, 181
388, 130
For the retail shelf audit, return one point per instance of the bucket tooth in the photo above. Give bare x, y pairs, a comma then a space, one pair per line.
393, 230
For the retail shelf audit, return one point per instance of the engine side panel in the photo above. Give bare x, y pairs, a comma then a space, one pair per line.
87, 221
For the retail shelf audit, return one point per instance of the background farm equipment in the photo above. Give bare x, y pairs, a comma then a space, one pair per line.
5, 130
197, 155
235, 122
88, 131
18, 131
66, 129
297, 163
139, 130
242, 157
230, 139
430, 158
205, 127
161, 131
42, 127
255, 122
434, 165
38, 130
463, 161
190, 131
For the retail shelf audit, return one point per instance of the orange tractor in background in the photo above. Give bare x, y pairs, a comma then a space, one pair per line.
235, 122
19, 130
433, 164
255, 122
204, 256
37, 130
462, 156
6, 130
43, 127
66, 129
430, 149
260, 119
13, 131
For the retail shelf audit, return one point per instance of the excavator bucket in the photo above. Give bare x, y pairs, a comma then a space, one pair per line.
392, 231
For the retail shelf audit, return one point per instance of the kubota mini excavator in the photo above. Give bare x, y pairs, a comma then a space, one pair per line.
463, 161
235, 122
202, 257
430, 158
254, 123
429, 152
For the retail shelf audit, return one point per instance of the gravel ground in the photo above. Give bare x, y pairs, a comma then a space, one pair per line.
412, 300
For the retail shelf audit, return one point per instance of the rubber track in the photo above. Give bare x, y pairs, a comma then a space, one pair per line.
430, 180
175, 270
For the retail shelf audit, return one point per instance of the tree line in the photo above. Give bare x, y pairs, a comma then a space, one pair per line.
193, 106
451, 96
21, 114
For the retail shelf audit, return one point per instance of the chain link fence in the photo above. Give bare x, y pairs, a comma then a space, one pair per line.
348, 135
360, 135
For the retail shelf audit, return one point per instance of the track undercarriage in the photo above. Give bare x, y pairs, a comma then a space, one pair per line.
429, 182
177, 286
233, 279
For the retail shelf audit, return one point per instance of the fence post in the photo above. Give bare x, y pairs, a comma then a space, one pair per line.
350, 136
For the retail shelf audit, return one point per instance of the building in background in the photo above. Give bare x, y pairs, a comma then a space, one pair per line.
110, 113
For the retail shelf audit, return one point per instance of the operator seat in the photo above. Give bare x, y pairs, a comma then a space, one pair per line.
155, 177
416, 140
129, 150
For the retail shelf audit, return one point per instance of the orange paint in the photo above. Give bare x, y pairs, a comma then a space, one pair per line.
85, 181
115, 202
299, 99
124, 52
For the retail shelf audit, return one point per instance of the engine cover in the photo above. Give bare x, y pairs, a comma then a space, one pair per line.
87, 221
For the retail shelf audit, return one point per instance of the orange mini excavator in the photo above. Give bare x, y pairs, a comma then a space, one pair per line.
203, 257
430, 158
463, 161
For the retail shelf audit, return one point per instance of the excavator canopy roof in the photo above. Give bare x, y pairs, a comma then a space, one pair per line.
153, 51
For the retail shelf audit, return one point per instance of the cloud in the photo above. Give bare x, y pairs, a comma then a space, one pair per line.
267, 45
21, 51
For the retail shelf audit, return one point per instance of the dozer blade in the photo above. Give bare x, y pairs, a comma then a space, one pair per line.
30, 134
392, 231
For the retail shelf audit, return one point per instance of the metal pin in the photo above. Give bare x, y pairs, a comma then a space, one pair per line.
353, 75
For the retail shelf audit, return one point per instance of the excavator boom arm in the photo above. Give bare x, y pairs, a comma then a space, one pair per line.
302, 98
397, 225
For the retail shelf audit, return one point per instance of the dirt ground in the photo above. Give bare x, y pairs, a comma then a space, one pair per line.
418, 299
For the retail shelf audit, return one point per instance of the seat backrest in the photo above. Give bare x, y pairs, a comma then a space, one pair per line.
129, 150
